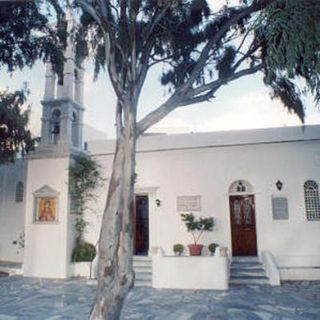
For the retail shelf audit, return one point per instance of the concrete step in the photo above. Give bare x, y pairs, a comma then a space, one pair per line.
248, 281
246, 259
142, 261
11, 268
248, 272
240, 276
142, 266
139, 258
144, 276
249, 265
143, 283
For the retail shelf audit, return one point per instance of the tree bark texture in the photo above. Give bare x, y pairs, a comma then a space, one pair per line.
115, 272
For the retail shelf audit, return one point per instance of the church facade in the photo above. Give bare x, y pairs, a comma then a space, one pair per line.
260, 186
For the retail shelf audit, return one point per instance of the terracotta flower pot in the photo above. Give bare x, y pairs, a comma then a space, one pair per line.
195, 249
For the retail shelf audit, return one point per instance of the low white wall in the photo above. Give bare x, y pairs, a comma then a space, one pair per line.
206, 273
297, 274
271, 268
299, 267
80, 269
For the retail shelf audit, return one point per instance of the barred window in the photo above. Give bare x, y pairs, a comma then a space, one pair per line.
312, 200
19, 192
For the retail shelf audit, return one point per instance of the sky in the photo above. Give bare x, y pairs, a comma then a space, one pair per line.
242, 104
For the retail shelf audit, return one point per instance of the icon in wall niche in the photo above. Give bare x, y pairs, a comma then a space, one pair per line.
46, 209
46, 205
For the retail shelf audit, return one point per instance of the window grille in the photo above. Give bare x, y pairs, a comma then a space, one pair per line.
312, 200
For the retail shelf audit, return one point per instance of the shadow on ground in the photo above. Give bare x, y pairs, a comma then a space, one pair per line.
36, 299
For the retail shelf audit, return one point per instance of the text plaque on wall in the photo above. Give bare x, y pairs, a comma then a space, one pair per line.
280, 208
188, 203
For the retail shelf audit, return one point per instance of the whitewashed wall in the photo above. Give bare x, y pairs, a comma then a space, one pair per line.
207, 164
203, 164
12, 213
47, 251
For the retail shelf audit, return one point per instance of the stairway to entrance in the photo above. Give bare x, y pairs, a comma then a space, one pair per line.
142, 266
10, 268
247, 271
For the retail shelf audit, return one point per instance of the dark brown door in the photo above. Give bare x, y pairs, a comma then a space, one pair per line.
141, 225
243, 226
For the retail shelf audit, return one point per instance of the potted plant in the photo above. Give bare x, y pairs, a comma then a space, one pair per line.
212, 247
196, 226
178, 249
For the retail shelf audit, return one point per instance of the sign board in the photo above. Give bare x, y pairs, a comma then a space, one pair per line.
280, 208
188, 203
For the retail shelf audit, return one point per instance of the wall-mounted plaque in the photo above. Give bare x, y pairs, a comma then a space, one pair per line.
46, 205
280, 208
188, 203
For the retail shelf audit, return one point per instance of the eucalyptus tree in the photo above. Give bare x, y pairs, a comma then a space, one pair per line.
201, 50
25, 37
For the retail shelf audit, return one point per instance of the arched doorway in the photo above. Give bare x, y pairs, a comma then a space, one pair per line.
242, 218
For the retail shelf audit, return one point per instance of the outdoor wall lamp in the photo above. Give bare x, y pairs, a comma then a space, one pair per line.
279, 185
158, 202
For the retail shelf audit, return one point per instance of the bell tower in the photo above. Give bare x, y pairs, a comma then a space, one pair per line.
62, 116
49, 223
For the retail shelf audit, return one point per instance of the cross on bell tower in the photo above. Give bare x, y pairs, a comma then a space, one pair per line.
62, 116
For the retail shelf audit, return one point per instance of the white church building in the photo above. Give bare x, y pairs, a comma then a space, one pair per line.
261, 187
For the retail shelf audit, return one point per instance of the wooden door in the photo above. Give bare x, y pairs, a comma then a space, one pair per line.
141, 225
243, 225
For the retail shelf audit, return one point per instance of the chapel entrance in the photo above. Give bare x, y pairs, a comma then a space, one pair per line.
141, 225
243, 224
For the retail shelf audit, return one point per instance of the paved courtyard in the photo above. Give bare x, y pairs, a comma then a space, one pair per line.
25, 298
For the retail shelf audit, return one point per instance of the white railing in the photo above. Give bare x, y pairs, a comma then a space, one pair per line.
271, 268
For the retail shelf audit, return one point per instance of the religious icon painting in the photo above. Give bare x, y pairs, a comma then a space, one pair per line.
46, 209
46, 205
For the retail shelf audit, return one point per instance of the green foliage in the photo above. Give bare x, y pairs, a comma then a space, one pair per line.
26, 34
83, 252
80, 227
25, 37
14, 134
84, 178
212, 247
197, 225
201, 49
289, 33
177, 35
225, 62
178, 247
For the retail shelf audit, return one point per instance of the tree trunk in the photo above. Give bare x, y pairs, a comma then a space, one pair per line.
115, 272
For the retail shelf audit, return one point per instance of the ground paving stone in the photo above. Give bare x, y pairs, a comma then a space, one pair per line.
38, 299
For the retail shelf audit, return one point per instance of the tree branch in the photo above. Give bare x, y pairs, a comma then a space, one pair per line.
219, 82
90, 10
194, 96
242, 13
